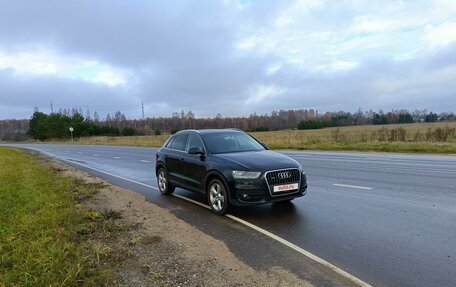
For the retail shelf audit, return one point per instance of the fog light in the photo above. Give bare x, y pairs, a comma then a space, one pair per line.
245, 196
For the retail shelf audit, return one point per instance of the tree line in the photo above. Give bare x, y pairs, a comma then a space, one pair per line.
56, 125
347, 119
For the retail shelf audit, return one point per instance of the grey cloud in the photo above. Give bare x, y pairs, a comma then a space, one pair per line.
183, 56
127, 34
19, 95
425, 82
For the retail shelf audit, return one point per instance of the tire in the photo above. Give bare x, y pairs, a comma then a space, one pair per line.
217, 196
163, 183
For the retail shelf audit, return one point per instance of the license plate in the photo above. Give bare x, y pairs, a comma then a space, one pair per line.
285, 187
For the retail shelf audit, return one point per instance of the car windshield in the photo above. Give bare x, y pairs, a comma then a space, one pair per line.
230, 142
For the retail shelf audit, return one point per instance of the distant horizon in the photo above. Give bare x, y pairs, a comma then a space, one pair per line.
318, 112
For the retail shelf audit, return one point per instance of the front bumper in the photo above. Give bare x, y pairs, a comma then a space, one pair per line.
250, 192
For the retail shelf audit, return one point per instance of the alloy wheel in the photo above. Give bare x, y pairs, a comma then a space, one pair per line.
217, 196
162, 181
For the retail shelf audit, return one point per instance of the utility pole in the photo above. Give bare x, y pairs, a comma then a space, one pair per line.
52, 108
142, 106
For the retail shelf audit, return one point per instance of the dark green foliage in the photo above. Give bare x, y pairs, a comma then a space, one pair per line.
379, 119
432, 117
259, 129
392, 118
174, 130
405, 118
129, 132
79, 125
339, 121
94, 130
38, 127
56, 126
157, 132
314, 124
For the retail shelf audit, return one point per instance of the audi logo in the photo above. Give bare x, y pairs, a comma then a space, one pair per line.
283, 175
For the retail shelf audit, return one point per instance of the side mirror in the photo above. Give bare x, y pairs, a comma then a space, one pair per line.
264, 145
196, 150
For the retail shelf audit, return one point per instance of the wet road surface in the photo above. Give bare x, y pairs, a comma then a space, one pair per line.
388, 219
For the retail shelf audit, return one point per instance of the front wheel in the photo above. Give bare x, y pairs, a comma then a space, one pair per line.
217, 196
163, 183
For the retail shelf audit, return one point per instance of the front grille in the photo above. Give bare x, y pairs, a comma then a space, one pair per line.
283, 176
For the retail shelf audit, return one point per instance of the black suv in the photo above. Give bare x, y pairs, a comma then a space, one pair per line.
228, 166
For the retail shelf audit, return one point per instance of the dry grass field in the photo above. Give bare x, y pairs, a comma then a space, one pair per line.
418, 137
415, 138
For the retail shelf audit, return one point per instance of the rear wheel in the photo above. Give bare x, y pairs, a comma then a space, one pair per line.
217, 196
163, 183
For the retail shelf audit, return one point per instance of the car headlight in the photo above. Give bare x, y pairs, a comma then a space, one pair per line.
240, 174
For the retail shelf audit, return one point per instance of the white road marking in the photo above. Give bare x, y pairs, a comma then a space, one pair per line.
304, 252
116, 157
286, 243
352, 186
143, 160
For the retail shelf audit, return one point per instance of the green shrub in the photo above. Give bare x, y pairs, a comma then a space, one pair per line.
129, 132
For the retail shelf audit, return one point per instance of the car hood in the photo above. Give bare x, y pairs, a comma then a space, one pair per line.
259, 160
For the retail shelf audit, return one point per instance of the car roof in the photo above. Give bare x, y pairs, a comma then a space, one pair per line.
210, 131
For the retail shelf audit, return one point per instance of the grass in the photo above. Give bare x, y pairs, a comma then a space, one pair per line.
46, 234
148, 141
374, 147
407, 138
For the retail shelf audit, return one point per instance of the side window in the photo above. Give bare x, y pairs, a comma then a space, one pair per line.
194, 141
179, 142
168, 144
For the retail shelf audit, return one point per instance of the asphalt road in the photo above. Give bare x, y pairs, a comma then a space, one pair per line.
388, 219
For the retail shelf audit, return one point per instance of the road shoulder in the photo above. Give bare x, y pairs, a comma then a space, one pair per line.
166, 251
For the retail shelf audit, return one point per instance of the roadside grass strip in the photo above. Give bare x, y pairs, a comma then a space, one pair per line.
46, 234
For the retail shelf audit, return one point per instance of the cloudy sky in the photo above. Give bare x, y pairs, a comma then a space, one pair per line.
233, 57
